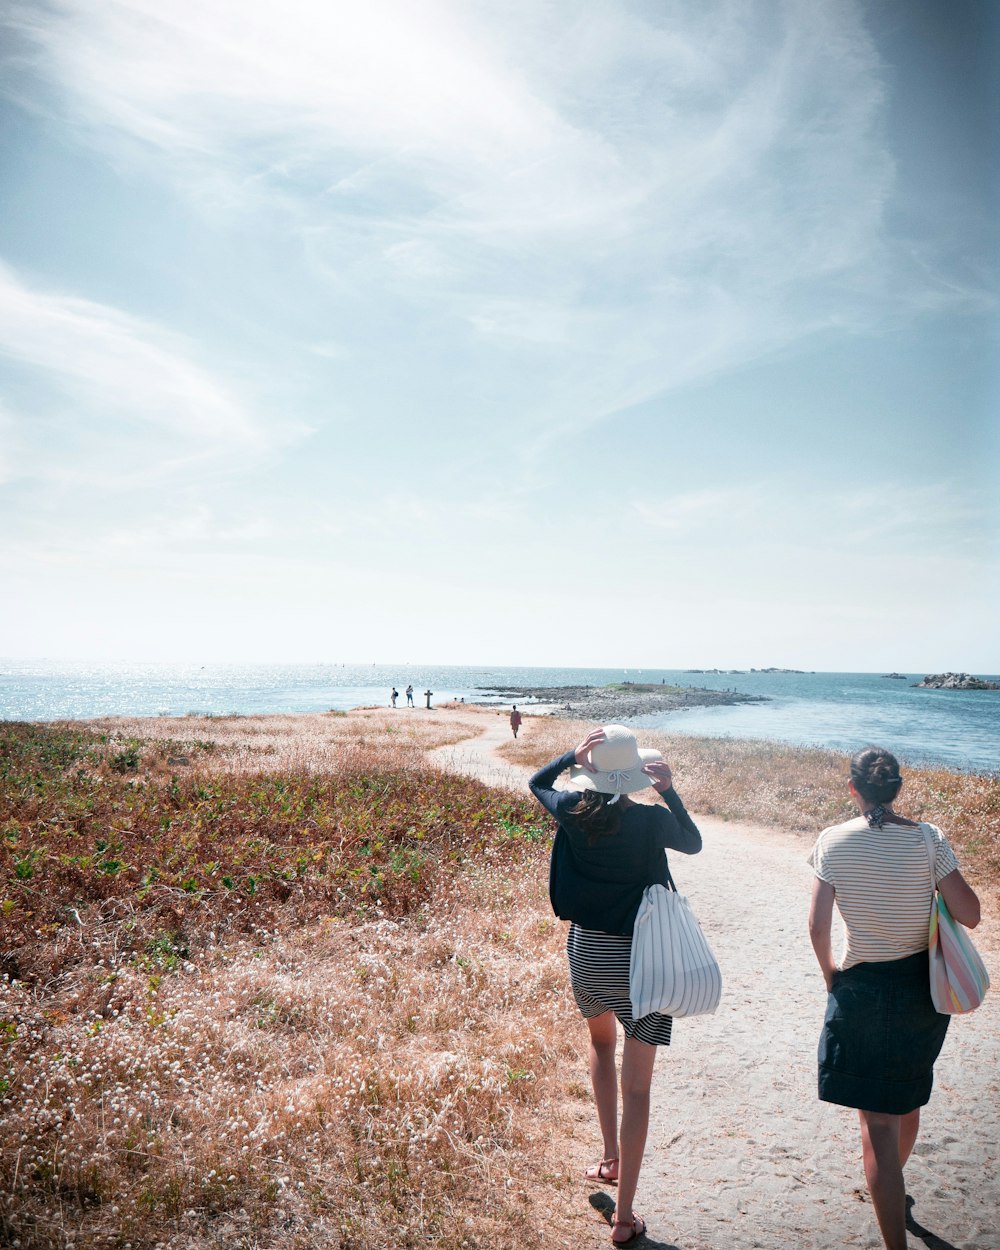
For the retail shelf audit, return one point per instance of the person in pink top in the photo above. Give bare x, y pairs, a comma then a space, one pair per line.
515, 721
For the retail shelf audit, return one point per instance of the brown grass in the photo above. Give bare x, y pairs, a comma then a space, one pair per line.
347, 1084
364, 1060
799, 789
304, 742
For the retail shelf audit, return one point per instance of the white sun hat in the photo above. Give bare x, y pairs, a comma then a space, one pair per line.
618, 761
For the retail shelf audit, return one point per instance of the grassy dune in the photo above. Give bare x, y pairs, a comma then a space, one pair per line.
268, 982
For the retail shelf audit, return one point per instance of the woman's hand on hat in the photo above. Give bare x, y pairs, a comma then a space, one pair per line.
661, 773
582, 752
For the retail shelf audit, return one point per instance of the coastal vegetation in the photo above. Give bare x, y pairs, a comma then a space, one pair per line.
270, 981
274, 1007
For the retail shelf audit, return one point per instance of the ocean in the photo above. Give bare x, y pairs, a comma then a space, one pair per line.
958, 729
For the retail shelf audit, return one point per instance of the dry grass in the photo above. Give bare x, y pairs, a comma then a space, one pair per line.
800, 789
351, 1085
353, 1055
304, 742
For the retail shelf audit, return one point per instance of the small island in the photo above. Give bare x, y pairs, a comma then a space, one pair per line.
742, 672
895, 676
955, 681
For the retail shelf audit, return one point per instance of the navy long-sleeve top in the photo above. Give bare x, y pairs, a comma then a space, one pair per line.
600, 886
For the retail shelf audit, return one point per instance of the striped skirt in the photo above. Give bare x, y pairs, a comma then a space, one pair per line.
598, 970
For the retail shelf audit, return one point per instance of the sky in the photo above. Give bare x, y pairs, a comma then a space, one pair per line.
625, 333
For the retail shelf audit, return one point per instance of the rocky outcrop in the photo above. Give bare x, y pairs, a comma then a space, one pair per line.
620, 702
955, 681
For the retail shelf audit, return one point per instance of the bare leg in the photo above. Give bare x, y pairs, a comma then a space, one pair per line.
880, 1143
604, 1078
637, 1075
909, 1127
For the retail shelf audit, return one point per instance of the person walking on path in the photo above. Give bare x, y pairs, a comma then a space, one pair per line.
882, 1034
515, 720
607, 850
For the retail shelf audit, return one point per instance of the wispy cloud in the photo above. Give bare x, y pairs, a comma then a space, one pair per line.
691, 511
512, 128
940, 519
658, 196
115, 360
448, 235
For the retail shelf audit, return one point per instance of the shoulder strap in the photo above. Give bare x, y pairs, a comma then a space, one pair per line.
925, 830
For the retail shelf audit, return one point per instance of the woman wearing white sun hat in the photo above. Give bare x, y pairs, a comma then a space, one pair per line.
607, 850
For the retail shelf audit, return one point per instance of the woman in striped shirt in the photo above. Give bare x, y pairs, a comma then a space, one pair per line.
607, 850
881, 1034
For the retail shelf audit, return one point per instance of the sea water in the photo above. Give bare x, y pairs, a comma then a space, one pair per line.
957, 728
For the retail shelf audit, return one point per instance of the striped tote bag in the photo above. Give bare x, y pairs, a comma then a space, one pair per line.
672, 970
959, 979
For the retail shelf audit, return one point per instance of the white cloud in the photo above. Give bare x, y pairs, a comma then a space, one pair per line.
514, 223
7, 458
197, 78
643, 199
944, 517
129, 366
694, 510
877, 528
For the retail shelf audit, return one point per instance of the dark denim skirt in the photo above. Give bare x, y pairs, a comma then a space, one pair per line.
880, 1037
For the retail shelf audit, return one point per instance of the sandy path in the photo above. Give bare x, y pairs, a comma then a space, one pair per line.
741, 1153
476, 757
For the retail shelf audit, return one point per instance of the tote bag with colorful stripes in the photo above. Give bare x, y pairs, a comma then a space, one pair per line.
959, 979
673, 970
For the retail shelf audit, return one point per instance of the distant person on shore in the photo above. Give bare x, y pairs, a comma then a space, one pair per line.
515, 720
409, 696
607, 850
393, 696
881, 1034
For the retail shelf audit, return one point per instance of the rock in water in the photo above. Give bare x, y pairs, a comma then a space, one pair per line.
955, 681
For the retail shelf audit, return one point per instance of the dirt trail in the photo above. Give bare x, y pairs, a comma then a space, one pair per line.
741, 1153
477, 757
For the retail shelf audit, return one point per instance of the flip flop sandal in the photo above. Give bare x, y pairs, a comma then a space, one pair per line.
600, 1172
637, 1225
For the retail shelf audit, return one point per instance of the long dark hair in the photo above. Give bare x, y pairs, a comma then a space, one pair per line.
875, 773
596, 816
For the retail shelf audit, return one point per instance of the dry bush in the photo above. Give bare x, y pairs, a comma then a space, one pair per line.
93, 829
352, 1085
800, 789
360, 1051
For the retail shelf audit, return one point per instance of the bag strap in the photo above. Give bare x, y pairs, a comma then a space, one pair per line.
671, 883
929, 846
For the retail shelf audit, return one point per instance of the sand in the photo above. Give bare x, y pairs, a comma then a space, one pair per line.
741, 1153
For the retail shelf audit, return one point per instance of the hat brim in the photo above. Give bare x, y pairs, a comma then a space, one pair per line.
633, 779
